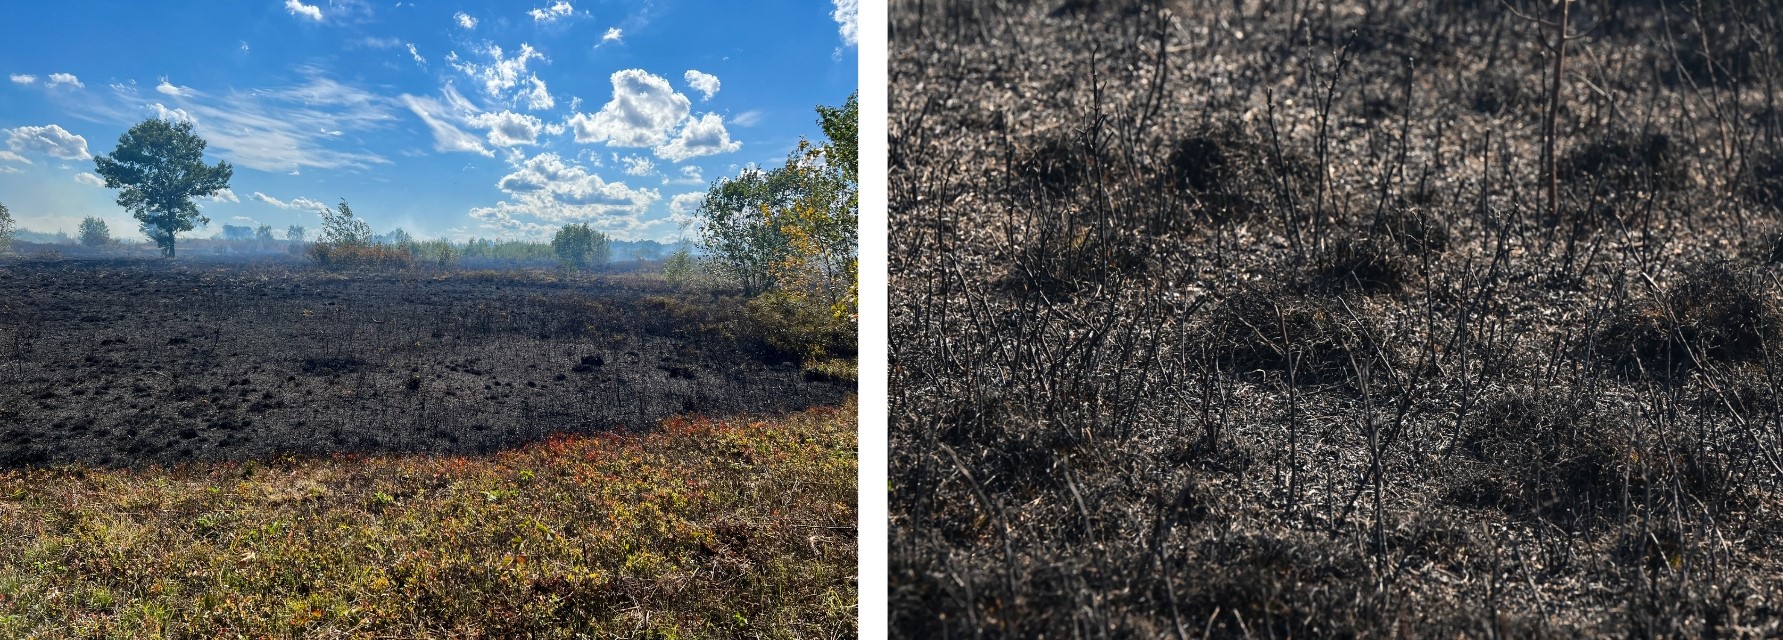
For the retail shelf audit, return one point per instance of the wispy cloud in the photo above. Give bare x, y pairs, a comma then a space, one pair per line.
464, 20
417, 55
298, 204
613, 34
442, 120
23, 78
748, 118
89, 179
552, 13
502, 75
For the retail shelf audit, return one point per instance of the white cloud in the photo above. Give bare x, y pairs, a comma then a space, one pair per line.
172, 90
282, 128
299, 204
465, 21
545, 192
847, 16
416, 54
686, 204
226, 195
703, 136
705, 83
10, 169
381, 43
164, 113
306, 10
613, 34
13, 157
244, 46
637, 166
89, 179
59, 79
502, 75
23, 78
748, 118
551, 13
243, 219
50, 140
447, 137
507, 129
643, 111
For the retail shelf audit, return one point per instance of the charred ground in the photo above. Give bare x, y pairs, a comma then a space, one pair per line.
120, 362
1253, 319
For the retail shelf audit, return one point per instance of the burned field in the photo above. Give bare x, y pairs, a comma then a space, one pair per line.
125, 362
1276, 319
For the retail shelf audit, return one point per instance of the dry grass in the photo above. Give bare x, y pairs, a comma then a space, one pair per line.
703, 528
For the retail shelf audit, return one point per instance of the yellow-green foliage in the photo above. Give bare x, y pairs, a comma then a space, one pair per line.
792, 324
341, 256
703, 529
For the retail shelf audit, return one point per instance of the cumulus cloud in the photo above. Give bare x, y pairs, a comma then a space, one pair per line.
703, 136
51, 140
642, 113
502, 74
508, 129
165, 113
89, 179
172, 90
636, 166
546, 191
847, 16
613, 34
464, 20
686, 204
705, 83
310, 11
226, 195
68, 79
24, 78
551, 13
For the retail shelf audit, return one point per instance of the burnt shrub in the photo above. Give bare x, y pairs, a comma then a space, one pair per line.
1762, 180
1060, 261
1715, 314
1274, 331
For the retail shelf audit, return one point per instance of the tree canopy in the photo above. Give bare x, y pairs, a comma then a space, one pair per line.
579, 246
158, 168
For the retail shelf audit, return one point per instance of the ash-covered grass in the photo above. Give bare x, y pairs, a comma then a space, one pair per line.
1216, 319
701, 528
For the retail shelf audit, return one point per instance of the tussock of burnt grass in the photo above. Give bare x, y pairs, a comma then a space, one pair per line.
1716, 314
704, 528
1304, 350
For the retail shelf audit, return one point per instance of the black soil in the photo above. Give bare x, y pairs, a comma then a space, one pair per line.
144, 361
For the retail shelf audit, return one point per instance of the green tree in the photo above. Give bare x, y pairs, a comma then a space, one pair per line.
6, 228
263, 234
159, 168
295, 233
339, 227
739, 233
580, 246
94, 232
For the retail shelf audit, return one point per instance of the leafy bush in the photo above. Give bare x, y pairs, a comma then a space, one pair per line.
796, 329
579, 246
94, 232
342, 256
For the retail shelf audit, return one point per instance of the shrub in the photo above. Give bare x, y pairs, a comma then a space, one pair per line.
579, 246
6, 228
794, 328
1715, 314
94, 232
343, 256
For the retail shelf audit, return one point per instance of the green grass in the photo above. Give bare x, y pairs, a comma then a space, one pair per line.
705, 528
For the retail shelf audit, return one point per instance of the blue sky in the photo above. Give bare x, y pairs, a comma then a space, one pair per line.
447, 119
